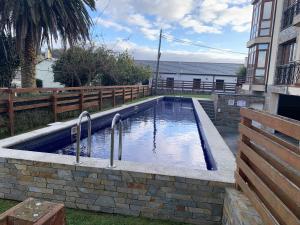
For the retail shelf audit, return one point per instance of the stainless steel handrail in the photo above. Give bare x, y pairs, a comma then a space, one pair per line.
116, 119
89, 140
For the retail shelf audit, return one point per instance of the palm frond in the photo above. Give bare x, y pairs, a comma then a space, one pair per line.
46, 20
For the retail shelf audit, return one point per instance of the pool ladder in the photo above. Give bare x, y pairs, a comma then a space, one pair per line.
89, 140
116, 119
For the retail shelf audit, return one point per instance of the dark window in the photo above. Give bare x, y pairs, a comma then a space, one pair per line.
219, 84
288, 52
289, 106
170, 82
196, 83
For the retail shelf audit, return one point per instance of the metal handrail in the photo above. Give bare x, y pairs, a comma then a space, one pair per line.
288, 74
89, 140
116, 119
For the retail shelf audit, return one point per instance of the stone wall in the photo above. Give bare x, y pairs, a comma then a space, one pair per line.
228, 110
238, 210
114, 191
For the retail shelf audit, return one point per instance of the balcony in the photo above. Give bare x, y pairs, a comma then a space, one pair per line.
291, 14
288, 74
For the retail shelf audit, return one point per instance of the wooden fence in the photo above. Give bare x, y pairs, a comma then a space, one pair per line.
60, 100
195, 86
268, 166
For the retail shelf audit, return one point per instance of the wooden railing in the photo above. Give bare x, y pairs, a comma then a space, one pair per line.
268, 166
60, 100
203, 86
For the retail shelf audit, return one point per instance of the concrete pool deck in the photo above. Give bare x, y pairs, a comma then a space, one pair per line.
150, 190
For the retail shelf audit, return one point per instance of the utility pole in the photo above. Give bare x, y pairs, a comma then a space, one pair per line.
158, 58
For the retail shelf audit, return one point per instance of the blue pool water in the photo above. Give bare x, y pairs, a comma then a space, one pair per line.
162, 132
166, 133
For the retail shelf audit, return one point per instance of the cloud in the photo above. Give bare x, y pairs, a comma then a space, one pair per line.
111, 24
151, 34
198, 27
220, 13
205, 16
139, 20
169, 10
148, 53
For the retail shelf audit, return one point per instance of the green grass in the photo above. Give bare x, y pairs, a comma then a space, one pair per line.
81, 217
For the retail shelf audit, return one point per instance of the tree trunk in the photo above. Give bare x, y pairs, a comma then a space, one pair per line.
28, 63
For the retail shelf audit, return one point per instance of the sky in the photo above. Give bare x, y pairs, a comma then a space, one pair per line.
134, 25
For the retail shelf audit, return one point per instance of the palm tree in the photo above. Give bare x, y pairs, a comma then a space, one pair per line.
35, 22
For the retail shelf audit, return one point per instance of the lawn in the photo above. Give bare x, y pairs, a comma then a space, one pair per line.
80, 217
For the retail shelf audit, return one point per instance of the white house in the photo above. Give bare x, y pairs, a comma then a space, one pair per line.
194, 71
44, 72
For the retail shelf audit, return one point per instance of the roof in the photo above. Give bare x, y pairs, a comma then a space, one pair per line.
192, 68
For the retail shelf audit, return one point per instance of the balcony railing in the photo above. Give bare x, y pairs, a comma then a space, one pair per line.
288, 74
289, 14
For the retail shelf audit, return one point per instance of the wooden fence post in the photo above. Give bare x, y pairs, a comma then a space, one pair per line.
54, 106
131, 93
114, 97
81, 99
123, 95
143, 91
100, 100
10, 102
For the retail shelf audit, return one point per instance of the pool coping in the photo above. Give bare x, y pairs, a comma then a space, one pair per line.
222, 155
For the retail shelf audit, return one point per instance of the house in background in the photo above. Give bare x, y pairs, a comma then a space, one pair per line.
44, 72
196, 72
273, 66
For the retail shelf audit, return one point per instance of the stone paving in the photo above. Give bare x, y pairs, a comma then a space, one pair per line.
238, 210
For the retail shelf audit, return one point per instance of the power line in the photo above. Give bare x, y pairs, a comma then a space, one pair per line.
172, 39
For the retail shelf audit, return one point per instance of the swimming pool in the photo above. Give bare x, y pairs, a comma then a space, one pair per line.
164, 131
158, 187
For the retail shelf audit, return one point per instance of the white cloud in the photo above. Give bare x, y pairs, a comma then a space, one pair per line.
151, 34
198, 27
145, 52
170, 10
139, 20
234, 13
205, 16
111, 24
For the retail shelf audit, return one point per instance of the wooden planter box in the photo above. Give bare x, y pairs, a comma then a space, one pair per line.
34, 212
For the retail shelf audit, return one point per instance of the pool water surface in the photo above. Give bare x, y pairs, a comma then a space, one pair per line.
165, 133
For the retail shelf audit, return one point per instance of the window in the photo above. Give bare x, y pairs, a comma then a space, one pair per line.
288, 52
257, 63
265, 25
261, 60
196, 83
170, 82
262, 19
219, 84
267, 10
255, 20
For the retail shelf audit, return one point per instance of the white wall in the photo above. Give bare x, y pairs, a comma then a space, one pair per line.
44, 72
207, 78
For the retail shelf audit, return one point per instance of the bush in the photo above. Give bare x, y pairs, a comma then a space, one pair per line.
39, 83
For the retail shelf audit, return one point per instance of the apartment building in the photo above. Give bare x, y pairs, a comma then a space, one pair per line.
273, 67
